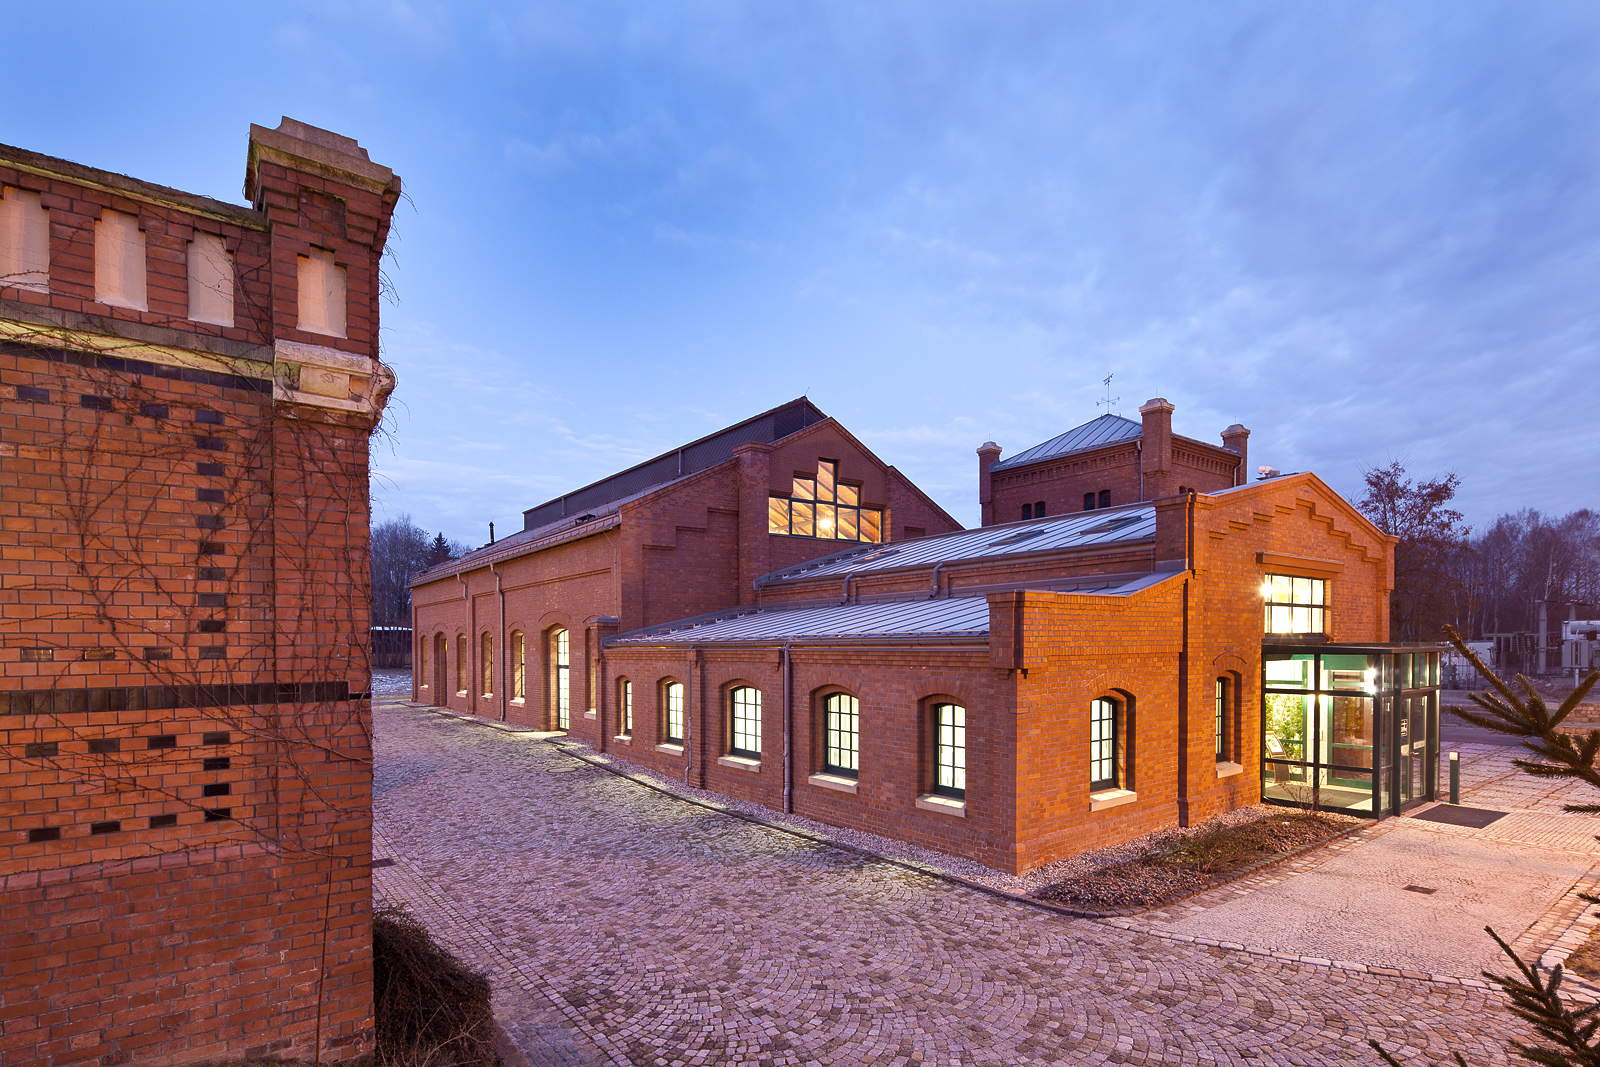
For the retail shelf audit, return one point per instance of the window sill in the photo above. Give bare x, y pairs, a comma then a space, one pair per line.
676, 750
519, 702
588, 715
626, 739
836, 782
744, 763
943, 805
461, 692
1228, 770
1111, 798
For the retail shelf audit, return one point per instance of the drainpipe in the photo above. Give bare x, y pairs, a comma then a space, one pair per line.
1139, 445
471, 637
847, 578
937, 567
500, 640
788, 733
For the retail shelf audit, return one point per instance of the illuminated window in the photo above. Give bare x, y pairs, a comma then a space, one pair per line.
672, 728
950, 750
823, 507
561, 661
625, 708
422, 662
519, 674
1294, 605
840, 730
1102, 744
486, 665
1222, 719
745, 722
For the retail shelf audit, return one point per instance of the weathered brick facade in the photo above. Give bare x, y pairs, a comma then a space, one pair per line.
185, 834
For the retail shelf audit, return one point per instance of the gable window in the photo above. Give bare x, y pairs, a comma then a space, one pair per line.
1088, 502
1027, 511
1104, 499
1102, 745
841, 738
824, 507
745, 722
1038, 510
1294, 605
625, 708
672, 725
950, 750
561, 663
486, 665
519, 674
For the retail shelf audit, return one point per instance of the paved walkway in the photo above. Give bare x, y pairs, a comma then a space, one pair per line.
623, 926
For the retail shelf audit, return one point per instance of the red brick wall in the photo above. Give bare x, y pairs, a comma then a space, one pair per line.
1061, 483
187, 805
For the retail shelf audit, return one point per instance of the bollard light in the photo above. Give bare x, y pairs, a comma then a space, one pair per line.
1455, 777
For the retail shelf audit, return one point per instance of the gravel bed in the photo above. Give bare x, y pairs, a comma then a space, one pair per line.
391, 681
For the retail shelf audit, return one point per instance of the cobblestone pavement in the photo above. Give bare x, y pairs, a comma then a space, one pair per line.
1489, 779
623, 926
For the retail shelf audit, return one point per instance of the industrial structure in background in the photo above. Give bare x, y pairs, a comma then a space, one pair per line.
187, 389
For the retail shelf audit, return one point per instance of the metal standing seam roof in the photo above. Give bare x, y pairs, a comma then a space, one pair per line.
946, 618
1106, 430
1084, 529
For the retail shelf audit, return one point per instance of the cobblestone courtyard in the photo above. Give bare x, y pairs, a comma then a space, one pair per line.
620, 925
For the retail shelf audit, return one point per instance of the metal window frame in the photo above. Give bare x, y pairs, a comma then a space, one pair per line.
561, 662
672, 705
940, 748
830, 730
1103, 749
744, 718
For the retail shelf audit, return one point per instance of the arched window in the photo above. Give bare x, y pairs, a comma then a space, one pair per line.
1027, 511
422, 661
461, 665
1038, 510
486, 665
841, 735
744, 721
1105, 498
1102, 744
561, 664
950, 750
1222, 719
519, 670
625, 708
672, 713
1088, 502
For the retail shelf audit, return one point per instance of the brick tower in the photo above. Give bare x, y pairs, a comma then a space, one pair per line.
187, 389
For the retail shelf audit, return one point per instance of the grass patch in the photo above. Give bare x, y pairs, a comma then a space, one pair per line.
1187, 863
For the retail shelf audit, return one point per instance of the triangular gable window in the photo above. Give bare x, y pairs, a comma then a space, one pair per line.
823, 507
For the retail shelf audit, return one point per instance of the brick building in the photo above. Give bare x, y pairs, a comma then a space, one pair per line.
1014, 694
1107, 462
514, 630
187, 388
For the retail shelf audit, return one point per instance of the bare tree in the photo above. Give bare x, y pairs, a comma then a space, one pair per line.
1428, 588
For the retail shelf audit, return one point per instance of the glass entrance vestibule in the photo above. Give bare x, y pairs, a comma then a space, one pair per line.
1352, 728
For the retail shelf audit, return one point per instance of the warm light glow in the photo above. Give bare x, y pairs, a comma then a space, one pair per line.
1372, 680
1266, 589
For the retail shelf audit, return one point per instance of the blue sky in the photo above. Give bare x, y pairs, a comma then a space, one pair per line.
1366, 231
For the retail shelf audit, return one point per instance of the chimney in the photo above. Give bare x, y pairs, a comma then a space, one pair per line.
988, 452
1237, 439
1155, 448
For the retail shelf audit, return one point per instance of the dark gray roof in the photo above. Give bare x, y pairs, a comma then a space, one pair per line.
691, 458
1085, 529
947, 619
1106, 430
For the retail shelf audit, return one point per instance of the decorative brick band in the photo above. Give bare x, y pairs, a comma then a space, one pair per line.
164, 697
137, 366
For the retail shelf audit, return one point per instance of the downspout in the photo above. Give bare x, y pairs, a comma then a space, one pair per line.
1183, 670
937, 567
1139, 446
500, 642
788, 733
465, 683
847, 578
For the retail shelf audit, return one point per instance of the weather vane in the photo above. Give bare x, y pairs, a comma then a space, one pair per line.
1110, 401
